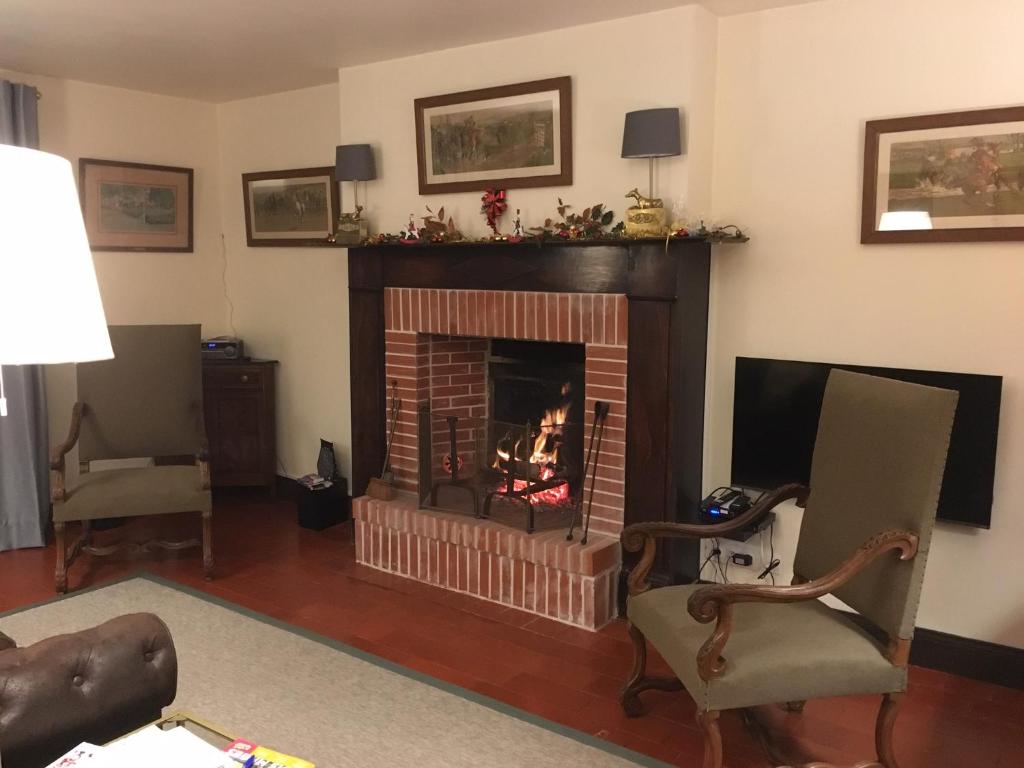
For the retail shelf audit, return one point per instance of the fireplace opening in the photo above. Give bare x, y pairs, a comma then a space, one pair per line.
518, 459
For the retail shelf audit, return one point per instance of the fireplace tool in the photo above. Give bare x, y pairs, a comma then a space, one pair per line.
600, 416
383, 487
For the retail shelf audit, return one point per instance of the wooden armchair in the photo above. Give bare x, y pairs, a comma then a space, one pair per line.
146, 402
877, 470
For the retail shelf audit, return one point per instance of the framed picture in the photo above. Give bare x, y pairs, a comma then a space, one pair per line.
134, 206
509, 136
953, 177
290, 208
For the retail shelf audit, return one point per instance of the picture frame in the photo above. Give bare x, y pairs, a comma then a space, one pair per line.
136, 206
507, 136
964, 169
292, 208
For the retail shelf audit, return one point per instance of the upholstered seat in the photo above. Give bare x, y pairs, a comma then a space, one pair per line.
135, 492
788, 652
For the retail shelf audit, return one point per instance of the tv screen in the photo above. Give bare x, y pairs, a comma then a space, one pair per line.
775, 421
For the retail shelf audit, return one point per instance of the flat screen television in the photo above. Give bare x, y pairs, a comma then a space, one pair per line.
775, 421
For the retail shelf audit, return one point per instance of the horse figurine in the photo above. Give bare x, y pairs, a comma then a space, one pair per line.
644, 202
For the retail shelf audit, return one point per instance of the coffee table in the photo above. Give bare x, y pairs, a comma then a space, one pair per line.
205, 730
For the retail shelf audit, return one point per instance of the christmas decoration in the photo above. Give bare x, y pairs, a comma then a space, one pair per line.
494, 204
436, 230
590, 224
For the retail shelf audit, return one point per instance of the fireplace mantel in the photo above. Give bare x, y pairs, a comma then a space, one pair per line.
666, 286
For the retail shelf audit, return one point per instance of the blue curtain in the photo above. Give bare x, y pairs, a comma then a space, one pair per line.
24, 445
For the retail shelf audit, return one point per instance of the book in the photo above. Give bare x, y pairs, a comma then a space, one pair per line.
249, 755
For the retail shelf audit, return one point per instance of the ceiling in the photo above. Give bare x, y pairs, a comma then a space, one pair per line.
219, 50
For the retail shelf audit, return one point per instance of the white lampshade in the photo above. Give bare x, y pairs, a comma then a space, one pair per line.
50, 308
892, 221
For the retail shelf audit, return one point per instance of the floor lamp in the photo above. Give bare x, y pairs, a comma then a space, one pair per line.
50, 307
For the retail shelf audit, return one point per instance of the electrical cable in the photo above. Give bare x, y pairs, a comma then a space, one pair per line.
224, 282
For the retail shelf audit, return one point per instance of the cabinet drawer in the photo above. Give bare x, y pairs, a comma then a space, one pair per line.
232, 377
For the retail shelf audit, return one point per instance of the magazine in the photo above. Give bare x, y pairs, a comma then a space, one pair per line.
249, 755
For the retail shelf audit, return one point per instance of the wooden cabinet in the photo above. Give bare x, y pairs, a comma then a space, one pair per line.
238, 400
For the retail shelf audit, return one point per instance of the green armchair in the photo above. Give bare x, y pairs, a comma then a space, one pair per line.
877, 470
145, 403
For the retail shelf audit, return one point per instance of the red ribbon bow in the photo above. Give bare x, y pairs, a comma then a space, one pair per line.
494, 205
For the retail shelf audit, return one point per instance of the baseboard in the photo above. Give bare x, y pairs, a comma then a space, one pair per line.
964, 656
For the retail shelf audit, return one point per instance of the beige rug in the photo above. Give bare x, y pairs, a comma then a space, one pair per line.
301, 693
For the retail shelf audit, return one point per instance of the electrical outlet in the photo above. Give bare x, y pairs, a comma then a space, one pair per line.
741, 558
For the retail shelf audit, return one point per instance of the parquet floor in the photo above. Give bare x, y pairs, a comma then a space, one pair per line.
269, 564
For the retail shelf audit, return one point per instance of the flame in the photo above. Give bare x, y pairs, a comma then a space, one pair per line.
544, 452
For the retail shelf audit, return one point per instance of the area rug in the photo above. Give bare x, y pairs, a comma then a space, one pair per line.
293, 690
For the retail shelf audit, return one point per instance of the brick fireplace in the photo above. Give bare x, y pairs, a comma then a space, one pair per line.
425, 318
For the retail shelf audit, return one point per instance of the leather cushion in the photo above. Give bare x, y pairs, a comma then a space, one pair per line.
93, 685
776, 653
134, 492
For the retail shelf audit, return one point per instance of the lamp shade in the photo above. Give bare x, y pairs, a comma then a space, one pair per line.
652, 133
50, 307
354, 162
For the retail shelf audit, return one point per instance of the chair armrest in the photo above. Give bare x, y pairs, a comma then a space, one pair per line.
715, 602
58, 491
60, 451
93, 685
645, 535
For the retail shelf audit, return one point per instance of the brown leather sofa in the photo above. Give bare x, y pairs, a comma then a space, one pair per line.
93, 685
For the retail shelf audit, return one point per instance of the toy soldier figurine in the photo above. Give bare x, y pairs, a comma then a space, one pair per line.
517, 226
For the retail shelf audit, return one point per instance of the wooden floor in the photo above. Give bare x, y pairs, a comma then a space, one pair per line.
269, 564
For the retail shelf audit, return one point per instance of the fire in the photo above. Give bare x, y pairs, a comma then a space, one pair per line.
543, 454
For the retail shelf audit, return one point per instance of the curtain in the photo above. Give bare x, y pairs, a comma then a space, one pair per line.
24, 444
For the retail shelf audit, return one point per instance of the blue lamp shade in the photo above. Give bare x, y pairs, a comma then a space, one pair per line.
354, 162
652, 133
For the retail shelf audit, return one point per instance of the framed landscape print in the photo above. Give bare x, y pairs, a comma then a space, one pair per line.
135, 207
959, 173
290, 208
508, 136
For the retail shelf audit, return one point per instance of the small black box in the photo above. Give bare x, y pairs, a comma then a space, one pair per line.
324, 507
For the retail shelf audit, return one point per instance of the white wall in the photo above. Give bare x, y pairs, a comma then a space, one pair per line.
795, 86
84, 120
290, 304
652, 60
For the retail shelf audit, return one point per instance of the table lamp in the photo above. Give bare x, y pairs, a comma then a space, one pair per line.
652, 133
50, 307
353, 162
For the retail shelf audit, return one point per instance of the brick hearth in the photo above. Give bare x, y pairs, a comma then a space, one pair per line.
541, 572
436, 344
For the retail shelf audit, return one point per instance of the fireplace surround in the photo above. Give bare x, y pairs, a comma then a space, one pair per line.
425, 316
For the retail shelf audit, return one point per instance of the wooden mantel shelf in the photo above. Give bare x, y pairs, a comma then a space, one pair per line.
666, 284
532, 242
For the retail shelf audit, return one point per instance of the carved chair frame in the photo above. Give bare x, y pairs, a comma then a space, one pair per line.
66, 555
715, 602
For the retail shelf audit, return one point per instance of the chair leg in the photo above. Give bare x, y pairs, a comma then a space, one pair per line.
638, 680
708, 722
207, 545
61, 576
884, 727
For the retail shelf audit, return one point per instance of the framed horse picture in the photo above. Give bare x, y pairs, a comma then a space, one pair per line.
952, 177
136, 206
296, 208
508, 136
